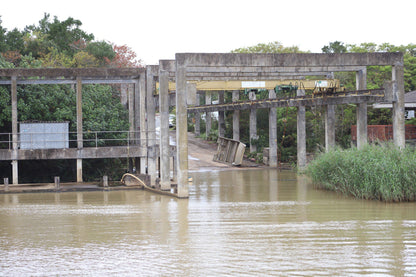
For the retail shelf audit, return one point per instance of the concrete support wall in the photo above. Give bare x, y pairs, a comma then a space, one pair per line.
221, 115
15, 131
208, 119
151, 124
301, 134
272, 132
164, 130
253, 124
361, 83
329, 127
398, 106
181, 131
79, 127
236, 117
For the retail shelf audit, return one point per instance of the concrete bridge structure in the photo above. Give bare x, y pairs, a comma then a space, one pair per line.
154, 155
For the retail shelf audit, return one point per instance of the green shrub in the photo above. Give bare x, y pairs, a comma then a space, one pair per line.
381, 172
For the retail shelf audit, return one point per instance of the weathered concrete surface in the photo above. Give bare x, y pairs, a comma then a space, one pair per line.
361, 83
236, 116
164, 129
181, 131
73, 153
301, 133
272, 132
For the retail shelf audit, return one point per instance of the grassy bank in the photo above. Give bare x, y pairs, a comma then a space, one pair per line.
375, 172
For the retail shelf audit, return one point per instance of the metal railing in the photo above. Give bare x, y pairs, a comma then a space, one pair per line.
50, 140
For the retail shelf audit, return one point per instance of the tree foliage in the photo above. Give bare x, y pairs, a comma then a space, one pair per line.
55, 43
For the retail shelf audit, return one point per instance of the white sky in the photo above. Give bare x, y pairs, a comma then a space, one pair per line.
157, 29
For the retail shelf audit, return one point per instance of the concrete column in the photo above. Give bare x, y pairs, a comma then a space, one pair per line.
132, 134
301, 134
221, 115
15, 131
399, 131
208, 119
198, 117
272, 132
329, 127
124, 95
142, 121
80, 143
151, 123
236, 117
164, 130
181, 131
253, 124
361, 83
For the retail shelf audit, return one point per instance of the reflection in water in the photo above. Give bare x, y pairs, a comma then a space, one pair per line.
243, 222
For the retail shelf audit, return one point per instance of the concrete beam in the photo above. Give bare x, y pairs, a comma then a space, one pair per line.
74, 153
287, 60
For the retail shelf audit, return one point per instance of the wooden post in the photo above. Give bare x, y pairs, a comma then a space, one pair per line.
57, 182
6, 184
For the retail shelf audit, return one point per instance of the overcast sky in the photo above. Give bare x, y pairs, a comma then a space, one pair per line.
157, 29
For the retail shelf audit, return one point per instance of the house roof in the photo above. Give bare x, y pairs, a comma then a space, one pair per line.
410, 97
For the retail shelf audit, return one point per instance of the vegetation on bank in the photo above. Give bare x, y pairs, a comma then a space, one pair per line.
380, 172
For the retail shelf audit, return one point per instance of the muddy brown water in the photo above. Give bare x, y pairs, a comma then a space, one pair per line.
235, 223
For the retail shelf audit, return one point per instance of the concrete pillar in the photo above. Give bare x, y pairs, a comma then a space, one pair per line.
208, 119
272, 132
236, 117
361, 83
80, 143
164, 130
15, 132
221, 115
124, 95
329, 127
301, 134
181, 131
253, 124
142, 120
105, 181
151, 123
198, 117
399, 131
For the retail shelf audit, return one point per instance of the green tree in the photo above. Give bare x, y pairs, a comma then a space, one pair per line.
271, 47
335, 47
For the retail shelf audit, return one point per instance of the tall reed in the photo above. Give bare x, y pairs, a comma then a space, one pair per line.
381, 172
